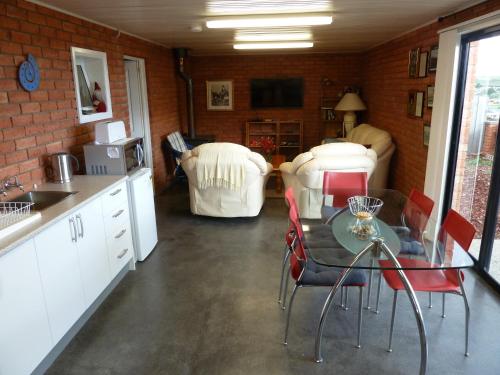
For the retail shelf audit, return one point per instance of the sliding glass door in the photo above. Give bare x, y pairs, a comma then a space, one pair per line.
473, 183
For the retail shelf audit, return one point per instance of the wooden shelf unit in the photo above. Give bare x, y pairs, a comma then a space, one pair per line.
287, 136
331, 120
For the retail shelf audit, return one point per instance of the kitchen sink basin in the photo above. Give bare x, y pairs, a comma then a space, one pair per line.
43, 199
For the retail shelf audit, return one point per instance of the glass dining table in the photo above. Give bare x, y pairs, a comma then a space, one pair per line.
396, 230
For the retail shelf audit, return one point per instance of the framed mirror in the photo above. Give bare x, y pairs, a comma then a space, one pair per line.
90, 73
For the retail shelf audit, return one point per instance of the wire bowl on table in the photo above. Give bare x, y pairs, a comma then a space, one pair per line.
12, 212
360, 204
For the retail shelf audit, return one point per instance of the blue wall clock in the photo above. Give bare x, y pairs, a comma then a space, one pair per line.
29, 74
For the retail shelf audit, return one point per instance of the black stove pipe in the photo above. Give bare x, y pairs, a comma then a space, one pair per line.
180, 55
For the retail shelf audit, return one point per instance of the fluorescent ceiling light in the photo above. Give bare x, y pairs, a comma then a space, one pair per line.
235, 23
274, 45
221, 7
269, 37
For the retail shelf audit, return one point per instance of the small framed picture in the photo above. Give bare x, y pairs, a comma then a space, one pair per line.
422, 64
433, 59
413, 58
430, 96
415, 103
427, 133
220, 95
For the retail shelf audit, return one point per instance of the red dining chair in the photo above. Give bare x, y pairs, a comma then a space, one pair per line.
435, 280
414, 219
341, 186
310, 274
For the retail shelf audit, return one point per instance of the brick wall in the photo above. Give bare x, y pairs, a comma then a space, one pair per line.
386, 85
33, 125
228, 125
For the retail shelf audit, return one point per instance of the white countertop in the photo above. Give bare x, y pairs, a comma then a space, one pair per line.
88, 187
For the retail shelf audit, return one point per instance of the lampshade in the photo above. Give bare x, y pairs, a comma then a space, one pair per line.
350, 102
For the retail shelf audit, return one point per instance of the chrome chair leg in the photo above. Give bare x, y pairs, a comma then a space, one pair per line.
283, 304
360, 316
378, 291
392, 320
283, 267
345, 308
467, 314
443, 315
342, 297
430, 300
292, 298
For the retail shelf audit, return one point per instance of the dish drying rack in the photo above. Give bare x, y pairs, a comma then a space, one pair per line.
13, 212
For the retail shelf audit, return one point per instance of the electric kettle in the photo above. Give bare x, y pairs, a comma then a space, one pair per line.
61, 168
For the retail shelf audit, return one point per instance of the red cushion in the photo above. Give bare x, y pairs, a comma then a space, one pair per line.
421, 280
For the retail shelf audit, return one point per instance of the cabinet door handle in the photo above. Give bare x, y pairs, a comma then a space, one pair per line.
72, 229
122, 253
118, 214
115, 192
120, 234
79, 219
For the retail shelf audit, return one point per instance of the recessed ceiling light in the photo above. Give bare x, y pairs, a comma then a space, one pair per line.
235, 23
269, 37
273, 45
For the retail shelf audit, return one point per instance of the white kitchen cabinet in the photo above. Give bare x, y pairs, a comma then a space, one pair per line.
24, 327
92, 250
61, 277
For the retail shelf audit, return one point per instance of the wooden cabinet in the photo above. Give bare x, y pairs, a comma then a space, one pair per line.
25, 337
330, 120
287, 135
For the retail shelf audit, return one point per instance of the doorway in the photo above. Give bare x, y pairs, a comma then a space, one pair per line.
137, 94
473, 181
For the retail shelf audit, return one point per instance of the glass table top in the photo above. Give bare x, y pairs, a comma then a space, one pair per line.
416, 240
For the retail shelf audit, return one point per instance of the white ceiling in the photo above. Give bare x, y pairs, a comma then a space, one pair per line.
358, 24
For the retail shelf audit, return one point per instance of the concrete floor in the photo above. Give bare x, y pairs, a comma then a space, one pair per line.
205, 303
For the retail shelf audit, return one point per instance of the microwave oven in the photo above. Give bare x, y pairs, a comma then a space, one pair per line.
122, 157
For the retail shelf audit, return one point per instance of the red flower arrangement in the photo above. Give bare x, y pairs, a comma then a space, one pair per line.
268, 146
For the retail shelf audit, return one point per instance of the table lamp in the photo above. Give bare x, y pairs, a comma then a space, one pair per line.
350, 103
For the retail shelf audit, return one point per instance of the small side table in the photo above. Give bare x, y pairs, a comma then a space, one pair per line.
277, 160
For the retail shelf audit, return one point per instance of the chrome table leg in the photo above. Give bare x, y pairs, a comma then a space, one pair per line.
368, 296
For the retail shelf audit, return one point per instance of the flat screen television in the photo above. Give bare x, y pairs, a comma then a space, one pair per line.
277, 93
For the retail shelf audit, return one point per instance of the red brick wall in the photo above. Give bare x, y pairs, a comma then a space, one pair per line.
36, 124
386, 85
228, 125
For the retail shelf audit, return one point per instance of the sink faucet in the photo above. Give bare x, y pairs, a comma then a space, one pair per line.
9, 183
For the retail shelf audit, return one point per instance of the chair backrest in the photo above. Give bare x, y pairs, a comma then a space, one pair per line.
298, 258
417, 211
177, 142
461, 230
293, 212
343, 185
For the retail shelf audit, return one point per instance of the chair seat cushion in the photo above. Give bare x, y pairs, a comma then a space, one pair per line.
318, 275
421, 280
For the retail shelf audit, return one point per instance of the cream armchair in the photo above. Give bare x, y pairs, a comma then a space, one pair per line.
225, 180
305, 173
380, 141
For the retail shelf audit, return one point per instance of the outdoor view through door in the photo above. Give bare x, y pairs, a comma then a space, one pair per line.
473, 183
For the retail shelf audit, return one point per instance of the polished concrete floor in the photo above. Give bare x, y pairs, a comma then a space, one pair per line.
205, 303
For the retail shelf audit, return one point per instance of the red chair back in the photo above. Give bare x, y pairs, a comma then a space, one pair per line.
459, 228
293, 212
343, 185
298, 259
417, 211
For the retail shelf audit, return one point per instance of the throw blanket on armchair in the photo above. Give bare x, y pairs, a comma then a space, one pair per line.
221, 169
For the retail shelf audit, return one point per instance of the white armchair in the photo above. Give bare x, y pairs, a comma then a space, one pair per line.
380, 141
225, 180
305, 173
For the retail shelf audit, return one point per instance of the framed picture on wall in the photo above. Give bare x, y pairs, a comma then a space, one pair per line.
422, 64
427, 133
220, 95
430, 96
415, 103
433, 59
413, 58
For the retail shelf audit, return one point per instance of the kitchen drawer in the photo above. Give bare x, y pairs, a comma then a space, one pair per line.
114, 198
120, 216
120, 250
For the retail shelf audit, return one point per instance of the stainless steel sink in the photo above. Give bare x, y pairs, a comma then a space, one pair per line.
43, 199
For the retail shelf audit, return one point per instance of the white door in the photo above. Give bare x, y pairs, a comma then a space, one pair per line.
146, 237
24, 327
135, 75
61, 277
92, 250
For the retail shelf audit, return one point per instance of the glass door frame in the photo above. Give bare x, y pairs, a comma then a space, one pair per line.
492, 212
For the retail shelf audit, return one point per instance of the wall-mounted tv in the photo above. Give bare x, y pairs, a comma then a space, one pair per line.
277, 93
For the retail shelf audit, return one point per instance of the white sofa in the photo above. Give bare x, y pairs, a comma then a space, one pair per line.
222, 201
305, 173
381, 142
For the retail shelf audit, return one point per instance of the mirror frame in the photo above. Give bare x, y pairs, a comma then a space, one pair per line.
75, 53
